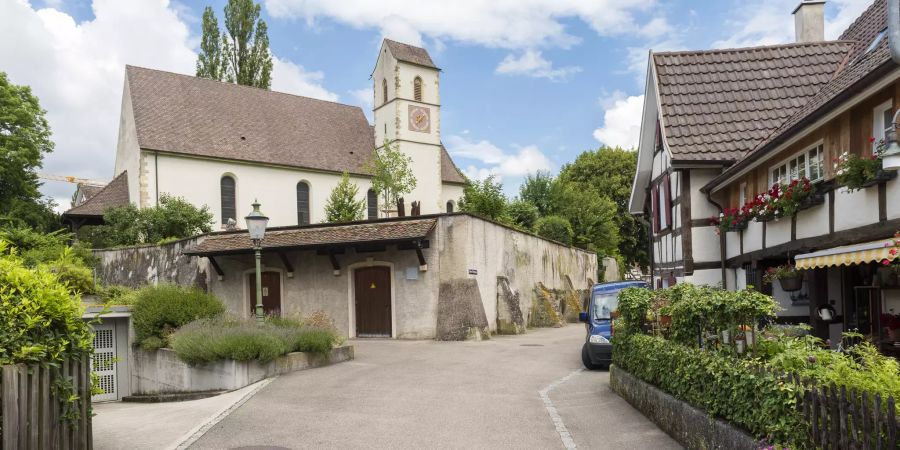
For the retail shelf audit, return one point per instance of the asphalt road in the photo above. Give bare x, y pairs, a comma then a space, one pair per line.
524, 391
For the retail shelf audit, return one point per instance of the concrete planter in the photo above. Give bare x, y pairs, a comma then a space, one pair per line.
161, 372
690, 426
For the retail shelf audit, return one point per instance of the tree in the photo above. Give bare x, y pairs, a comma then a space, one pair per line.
484, 198
24, 141
592, 217
242, 54
209, 61
522, 213
536, 189
392, 175
342, 205
173, 218
556, 228
609, 172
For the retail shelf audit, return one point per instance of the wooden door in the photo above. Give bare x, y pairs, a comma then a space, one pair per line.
271, 293
372, 289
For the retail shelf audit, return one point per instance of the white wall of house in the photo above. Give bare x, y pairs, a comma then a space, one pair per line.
863, 204
127, 150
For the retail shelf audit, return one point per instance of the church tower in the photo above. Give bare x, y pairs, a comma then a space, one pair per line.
407, 112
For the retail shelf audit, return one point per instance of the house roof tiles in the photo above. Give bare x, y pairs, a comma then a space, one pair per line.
397, 230
718, 104
409, 53
112, 195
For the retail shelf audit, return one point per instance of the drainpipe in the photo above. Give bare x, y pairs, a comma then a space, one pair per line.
722, 238
893, 18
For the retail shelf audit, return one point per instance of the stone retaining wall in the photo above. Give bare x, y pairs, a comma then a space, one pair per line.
160, 371
689, 426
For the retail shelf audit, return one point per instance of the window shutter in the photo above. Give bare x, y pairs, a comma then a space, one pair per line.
668, 201
654, 206
372, 199
228, 200
302, 203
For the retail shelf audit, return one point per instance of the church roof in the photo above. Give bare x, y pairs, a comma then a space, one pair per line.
112, 195
719, 104
194, 116
409, 53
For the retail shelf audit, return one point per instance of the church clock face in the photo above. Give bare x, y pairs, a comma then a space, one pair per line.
419, 119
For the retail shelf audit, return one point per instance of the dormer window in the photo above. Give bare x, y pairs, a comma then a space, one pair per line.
417, 89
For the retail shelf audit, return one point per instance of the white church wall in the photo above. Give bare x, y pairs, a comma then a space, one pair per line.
198, 181
127, 151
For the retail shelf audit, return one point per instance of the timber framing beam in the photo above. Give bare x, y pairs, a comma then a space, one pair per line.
335, 266
287, 264
216, 267
423, 265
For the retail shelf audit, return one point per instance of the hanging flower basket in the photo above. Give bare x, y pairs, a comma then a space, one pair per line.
791, 284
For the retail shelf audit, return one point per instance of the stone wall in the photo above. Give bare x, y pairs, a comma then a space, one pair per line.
152, 264
690, 426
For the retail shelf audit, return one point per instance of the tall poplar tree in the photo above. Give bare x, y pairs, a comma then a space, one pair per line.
240, 54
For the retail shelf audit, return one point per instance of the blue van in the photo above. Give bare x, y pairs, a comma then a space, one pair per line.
597, 350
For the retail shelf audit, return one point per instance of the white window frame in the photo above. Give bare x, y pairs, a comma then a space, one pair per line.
743, 194
879, 128
786, 165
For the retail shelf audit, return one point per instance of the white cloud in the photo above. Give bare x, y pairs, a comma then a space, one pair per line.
770, 22
621, 120
290, 77
365, 99
493, 160
532, 63
76, 69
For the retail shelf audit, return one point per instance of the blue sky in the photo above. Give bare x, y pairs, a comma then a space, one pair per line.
527, 84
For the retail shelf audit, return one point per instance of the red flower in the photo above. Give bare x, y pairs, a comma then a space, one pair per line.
885, 262
871, 139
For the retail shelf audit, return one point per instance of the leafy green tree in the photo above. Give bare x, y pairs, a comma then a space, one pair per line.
24, 141
592, 217
173, 218
392, 175
608, 172
522, 213
537, 190
209, 61
242, 55
343, 205
556, 228
484, 198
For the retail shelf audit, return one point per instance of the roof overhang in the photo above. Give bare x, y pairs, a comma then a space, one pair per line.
647, 140
879, 79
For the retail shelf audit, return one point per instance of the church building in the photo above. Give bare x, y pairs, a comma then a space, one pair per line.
438, 273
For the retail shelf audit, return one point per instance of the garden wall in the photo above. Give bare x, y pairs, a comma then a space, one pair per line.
152, 264
689, 426
161, 372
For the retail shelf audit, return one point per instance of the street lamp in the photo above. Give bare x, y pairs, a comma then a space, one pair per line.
256, 225
890, 159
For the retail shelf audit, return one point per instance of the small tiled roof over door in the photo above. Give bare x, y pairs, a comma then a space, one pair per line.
112, 195
719, 104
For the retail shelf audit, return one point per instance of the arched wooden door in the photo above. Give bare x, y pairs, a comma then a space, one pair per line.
372, 291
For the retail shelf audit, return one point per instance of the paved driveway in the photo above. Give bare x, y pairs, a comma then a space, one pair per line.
426, 394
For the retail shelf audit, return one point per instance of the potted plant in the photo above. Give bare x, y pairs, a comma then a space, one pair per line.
740, 343
730, 219
858, 172
766, 205
748, 334
787, 275
794, 195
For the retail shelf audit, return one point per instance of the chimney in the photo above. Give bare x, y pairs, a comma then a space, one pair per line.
809, 21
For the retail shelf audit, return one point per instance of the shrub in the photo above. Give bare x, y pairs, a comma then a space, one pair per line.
556, 228
215, 339
159, 310
116, 295
78, 278
633, 306
40, 321
723, 386
35, 248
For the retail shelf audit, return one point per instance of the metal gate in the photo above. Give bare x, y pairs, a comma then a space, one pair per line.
103, 362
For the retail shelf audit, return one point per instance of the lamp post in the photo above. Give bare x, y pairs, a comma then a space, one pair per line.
890, 159
256, 225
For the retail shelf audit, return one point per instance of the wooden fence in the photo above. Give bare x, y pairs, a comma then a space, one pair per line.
847, 420
32, 414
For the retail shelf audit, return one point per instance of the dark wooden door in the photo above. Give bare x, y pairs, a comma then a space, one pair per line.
372, 288
271, 295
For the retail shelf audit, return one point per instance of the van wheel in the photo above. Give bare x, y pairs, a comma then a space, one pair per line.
586, 359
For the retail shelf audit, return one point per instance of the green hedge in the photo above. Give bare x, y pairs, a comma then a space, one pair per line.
219, 338
723, 386
160, 310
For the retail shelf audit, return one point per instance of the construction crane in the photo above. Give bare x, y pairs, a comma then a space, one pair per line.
71, 179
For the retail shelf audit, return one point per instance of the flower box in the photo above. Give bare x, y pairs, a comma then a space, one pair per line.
815, 199
880, 176
765, 217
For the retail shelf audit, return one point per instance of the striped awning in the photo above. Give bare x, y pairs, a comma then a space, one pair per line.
874, 251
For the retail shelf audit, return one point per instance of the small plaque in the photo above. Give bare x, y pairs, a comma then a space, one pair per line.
473, 271
412, 273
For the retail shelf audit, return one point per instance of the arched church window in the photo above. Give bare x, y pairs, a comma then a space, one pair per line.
302, 203
450, 206
372, 201
384, 90
227, 193
417, 89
